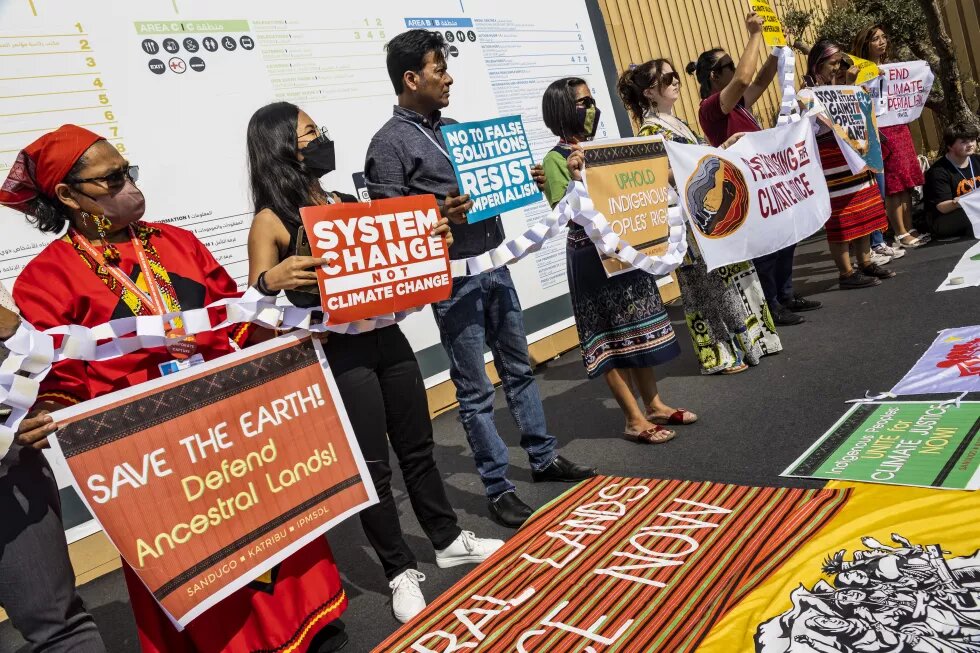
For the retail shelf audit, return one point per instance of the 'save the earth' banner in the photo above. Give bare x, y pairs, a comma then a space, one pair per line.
379, 256
492, 160
623, 564
951, 364
762, 194
207, 478
906, 90
627, 180
920, 443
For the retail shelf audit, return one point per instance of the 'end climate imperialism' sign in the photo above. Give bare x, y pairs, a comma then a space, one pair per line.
921, 443
492, 160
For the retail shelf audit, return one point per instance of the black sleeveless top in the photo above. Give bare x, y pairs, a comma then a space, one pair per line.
297, 297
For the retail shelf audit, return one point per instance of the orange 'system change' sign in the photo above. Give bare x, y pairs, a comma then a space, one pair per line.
206, 479
379, 256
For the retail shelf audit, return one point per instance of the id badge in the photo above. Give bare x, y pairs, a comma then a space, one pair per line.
177, 365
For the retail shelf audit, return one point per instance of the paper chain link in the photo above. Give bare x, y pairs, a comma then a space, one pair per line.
32, 352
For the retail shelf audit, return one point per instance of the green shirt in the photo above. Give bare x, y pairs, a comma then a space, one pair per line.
556, 176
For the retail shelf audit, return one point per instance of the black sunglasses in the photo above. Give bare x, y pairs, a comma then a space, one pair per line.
668, 79
117, 178
723, 63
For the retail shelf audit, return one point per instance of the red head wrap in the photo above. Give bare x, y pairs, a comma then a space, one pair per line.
43, 164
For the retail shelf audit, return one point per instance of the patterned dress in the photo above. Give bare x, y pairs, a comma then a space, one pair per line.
856, 207
727, 314
902, 169
621, 320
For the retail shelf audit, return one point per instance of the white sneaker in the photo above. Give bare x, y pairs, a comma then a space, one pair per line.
895, 252
466, 549
406, 595
880, 259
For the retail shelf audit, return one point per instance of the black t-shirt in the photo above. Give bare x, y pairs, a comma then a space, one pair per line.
944, 181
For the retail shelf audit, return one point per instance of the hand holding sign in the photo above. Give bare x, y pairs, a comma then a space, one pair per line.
442, 230
35, 429
456, 206
492, 160
292, 272
576, 162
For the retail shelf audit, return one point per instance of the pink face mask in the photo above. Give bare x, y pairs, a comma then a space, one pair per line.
126, 206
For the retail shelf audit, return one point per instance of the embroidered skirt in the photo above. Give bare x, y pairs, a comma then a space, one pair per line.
621, 321
856, 207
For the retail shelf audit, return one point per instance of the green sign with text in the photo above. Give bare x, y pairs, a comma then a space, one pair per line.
921, 443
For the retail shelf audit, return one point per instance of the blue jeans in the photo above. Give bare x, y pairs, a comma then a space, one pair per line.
877, 237
484, 310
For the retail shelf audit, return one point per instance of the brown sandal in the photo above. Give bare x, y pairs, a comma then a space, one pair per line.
736, 369
679, 417
655, 435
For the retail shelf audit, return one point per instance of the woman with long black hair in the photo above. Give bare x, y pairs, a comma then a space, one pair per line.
376, 371
902, 171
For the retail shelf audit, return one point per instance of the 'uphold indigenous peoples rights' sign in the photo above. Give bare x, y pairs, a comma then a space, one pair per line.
921, 443
379, 256
623, 564
492, 160
762, 194
628, 181
207, 478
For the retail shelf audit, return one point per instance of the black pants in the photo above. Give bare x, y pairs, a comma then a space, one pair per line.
776, 275
37, 583
950, 225
381, 386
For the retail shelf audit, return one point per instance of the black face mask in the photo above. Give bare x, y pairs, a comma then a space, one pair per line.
319, 156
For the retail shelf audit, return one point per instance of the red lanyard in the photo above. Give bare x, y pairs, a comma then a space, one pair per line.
155, 298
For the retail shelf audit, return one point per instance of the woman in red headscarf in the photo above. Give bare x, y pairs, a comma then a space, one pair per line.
110, 264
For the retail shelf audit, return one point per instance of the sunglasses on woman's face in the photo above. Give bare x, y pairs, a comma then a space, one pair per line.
587, 101
723, 64
668, 79
112, 180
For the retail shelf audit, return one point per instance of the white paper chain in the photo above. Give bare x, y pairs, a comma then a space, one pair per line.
21, 373
786, 74
576, 206
33, 352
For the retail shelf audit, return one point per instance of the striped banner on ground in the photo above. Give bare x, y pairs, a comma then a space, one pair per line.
622, 565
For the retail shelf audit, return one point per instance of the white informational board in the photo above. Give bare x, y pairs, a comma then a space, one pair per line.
173, 83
